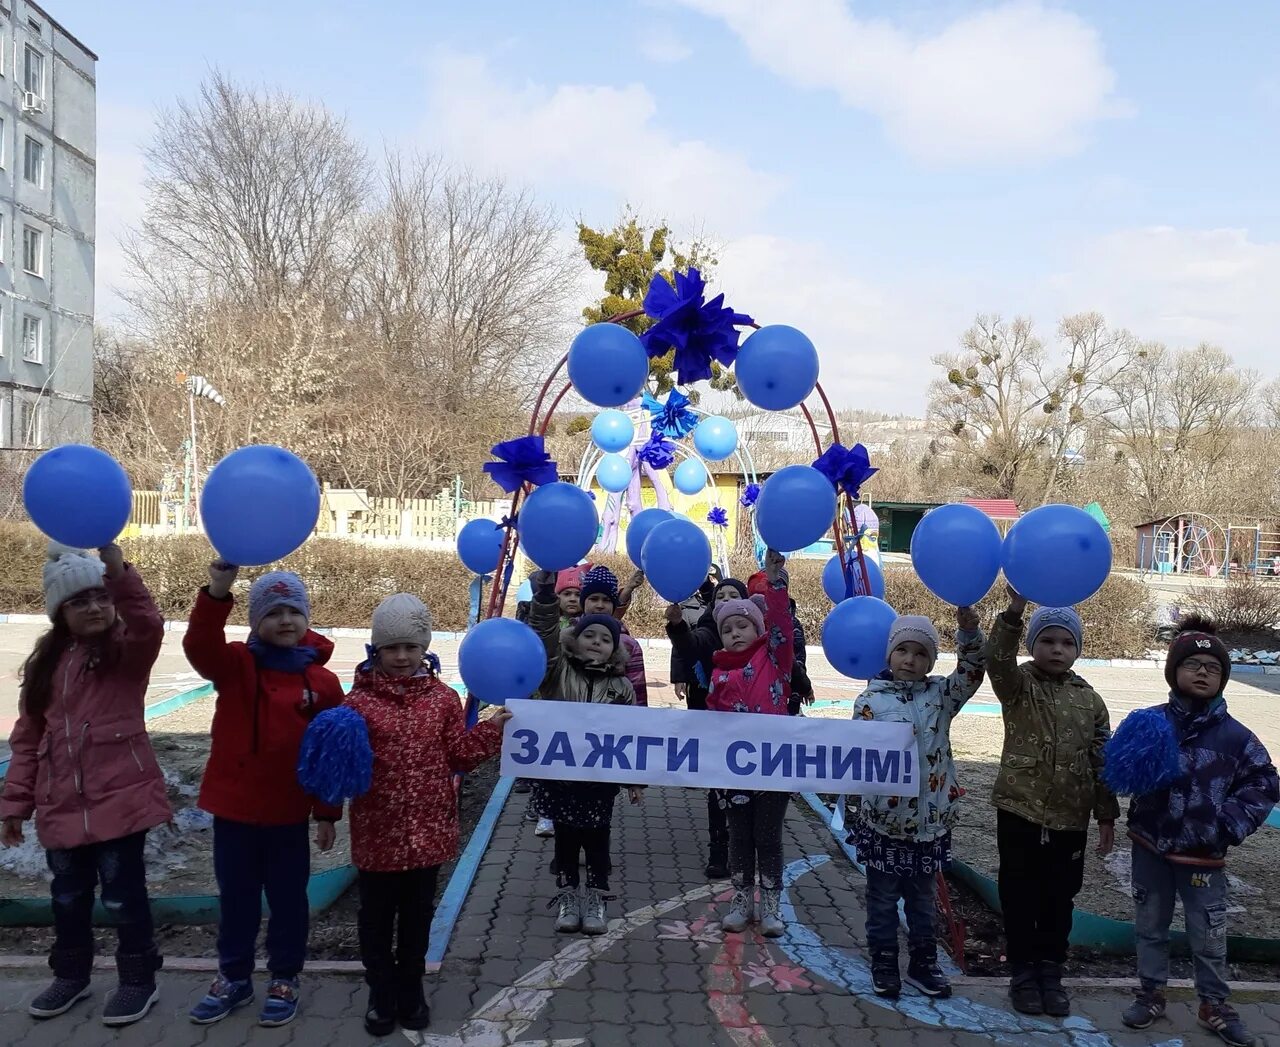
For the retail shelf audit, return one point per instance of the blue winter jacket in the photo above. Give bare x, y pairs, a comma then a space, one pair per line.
1227, 787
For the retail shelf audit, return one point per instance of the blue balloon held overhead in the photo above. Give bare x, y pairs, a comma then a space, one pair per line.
676, 558
638, 530
480, 545
777, 367
259, 504
715, 438
612, 431
690, 476
855, 637
607, 365
955, 550
525, 593
1056, 556
796, 507
78, 495
500, 659
557, 525
613, 474
833, 579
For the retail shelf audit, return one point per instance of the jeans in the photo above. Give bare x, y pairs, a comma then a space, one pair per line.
919, 894
1156, 884
1041, 872
394, 922
248, 861
77, 871
594, 844
755, 837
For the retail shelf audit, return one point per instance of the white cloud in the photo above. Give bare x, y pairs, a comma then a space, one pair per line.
1015, 82
578, 136
659, 44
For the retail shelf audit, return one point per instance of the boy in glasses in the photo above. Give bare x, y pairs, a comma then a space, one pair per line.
1180, 835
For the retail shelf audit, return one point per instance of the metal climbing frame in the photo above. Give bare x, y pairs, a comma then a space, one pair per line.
1252, 549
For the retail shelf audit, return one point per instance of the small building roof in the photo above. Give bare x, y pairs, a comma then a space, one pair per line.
997, 508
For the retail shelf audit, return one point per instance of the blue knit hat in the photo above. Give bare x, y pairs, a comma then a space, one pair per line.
1063, 618
607, 620
276, 589
600, 581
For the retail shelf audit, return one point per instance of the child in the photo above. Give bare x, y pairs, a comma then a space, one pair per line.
599, 595
80, 734
269, 689
406, 826
801, 688
1055, 726
905, 845
1224, 791
751, 674
585, 663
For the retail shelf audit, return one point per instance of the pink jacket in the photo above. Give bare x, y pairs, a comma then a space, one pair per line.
757, 679
635, 666
86, 768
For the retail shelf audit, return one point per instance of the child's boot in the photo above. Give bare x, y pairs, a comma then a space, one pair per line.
771, 925
885, 979
1024, 990
925, 973
739, 915
380, 1015
568, 910
1053, 997
71, 969
411, 1001
137, 992
593, 918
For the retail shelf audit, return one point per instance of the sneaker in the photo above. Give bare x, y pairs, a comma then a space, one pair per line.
222, 998
1145, 1009
771, 925
1024, 991
1053, 997
568, 911
924, 972
545, 827
1222, 1019
885, 979
281, 1004
739, 915
522, 785
60, 997
129, 1003
593, 918
530, 815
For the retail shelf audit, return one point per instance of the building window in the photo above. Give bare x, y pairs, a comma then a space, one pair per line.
33, 339
33, 251
30, 424
36, 27
33, 72
33, 161
2, 138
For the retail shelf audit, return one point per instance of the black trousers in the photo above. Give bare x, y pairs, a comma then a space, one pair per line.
717, 828
755, 837
1041, 872
394, 922
593, 844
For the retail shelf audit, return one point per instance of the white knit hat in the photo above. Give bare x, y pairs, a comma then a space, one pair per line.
67, 572
401, 618
916, 628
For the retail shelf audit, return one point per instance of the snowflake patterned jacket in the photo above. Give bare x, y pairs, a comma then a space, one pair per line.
757, 679
1227, 787
409, 817
929, 705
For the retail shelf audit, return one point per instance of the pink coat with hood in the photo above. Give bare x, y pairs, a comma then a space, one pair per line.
86, 768
757, 679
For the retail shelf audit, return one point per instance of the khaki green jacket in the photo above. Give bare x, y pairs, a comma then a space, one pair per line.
1054, 731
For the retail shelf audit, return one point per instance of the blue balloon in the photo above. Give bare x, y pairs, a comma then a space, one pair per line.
500, 659
557, 525
78, 495
525, 592
855, 637
259, 504
676, 558
638, 530
715, 438
612, 431
796, 507
1056, 556
690, 476
480, 545
613, 474
955, 550
777, 367
607, 365
833, 578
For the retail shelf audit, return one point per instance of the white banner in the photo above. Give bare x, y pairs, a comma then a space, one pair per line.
578, 741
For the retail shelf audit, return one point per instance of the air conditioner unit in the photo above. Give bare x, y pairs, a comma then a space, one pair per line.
32, 102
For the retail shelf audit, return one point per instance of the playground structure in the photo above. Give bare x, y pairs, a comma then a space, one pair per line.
1252, 549
1197, 544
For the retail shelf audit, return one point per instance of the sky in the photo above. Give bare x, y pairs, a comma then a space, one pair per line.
877, 173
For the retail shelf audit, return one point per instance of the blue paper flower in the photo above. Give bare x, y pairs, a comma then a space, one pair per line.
674, 418
657, 452
848, 468
750, 495
698, 331
524, 460
718, 517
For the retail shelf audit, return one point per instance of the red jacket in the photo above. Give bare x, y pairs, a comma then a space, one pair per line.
86, 768
757, 679
409, 817
258, 723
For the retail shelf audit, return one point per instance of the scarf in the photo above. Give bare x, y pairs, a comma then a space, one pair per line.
281, 659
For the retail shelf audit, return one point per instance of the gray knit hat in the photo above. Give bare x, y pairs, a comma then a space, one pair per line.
1062, 618
277, 589
68, 572
915, 628
401, 618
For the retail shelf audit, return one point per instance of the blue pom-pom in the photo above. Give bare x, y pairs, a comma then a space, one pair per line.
1142, 756
701, 675
336, 761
